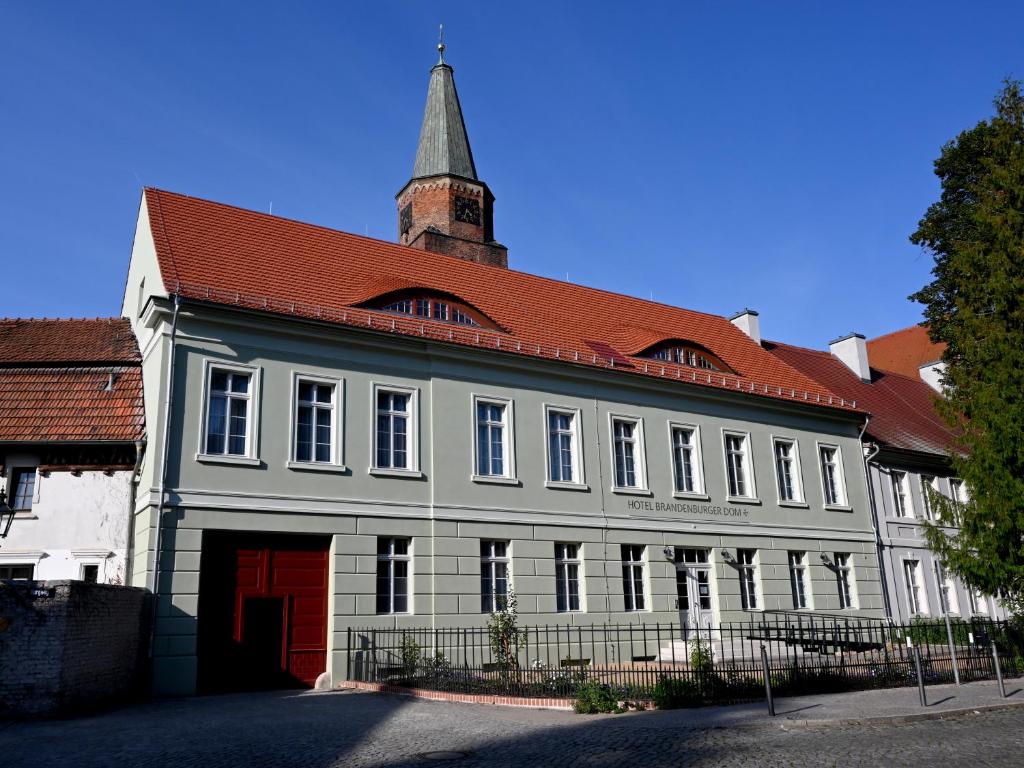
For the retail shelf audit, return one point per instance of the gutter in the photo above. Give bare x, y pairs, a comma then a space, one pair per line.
867, 456
140, 450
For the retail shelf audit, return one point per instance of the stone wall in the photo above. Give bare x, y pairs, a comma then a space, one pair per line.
68, 646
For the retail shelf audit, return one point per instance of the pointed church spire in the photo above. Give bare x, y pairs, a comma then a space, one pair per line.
444, 145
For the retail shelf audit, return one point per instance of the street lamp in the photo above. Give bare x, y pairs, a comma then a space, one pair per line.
6, 515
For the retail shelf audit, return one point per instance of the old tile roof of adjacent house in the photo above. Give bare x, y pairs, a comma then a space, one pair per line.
70, 381
902, 408
232, 256
904, 351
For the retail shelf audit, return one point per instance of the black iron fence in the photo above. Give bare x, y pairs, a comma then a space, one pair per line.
805, 654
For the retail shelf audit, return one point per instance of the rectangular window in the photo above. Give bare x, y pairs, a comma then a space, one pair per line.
737, 465
493, 576
912, 581
927, 487
832, 476
314, 421
901, 504
627, 443
228, 412
493, 435
567, 577
843, 579
798, 578
90, 573
633, 576
748, 578
787, 470
563, 461
979, 605
392, 575
394, 429
21, 572
947, 590
22, 488
685, 460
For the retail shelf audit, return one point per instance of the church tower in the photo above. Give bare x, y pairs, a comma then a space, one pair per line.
445, 208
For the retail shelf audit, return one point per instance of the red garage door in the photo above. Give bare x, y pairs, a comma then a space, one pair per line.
276, 591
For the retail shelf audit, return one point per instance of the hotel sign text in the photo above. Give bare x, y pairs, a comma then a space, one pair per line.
686, 508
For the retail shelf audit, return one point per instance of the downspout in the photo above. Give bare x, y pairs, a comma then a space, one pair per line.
129, 555
163, 470
879, 550
604, 509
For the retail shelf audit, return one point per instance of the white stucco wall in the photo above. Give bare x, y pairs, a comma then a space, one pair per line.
75, 521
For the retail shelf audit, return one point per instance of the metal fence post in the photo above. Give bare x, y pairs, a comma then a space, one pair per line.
999, 671
920, 677
952, 649
767, 681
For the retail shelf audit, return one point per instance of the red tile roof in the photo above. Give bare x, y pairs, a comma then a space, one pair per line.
227, 255
902, 407
45, 341
904, 351
59, 404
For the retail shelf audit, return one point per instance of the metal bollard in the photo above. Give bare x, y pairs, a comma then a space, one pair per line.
999, 671
767, 682
920, 677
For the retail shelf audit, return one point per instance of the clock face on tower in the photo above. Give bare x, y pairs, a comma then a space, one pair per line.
405, 219
467, 210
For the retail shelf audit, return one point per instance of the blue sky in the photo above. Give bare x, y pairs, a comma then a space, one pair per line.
711, 155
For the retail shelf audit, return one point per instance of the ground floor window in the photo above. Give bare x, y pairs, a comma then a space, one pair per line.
798, 578
26, 571
493, 576
912, 581
633, 576
748, 579
567, 577
843, 579
392, 575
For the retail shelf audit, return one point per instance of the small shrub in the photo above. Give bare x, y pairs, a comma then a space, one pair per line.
675, 692
593, 698
700, 656
410, 652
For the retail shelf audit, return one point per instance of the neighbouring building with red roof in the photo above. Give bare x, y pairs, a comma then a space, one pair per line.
906, 450
350, 433
909, 351
72, 431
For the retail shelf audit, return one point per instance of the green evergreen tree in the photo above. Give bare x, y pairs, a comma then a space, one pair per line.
975, 305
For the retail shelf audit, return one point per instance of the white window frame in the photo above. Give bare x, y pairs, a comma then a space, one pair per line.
799, 499
639, 455
580, 580
944, 583
748, 455
412, 434
799, 572
578, 482
16, 467
977, 602
509, 476
850, 580
337, 463
252, 419
391, 557
753, 587
697, 455
899, 486
493, 559
921, 597
926, 505
843, 501
631, 565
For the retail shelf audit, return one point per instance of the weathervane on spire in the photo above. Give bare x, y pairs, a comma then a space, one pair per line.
440, 44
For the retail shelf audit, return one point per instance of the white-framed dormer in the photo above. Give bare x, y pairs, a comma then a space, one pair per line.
788, 471
493, 416
399, 456
316, 395
563, 448
737, 451
628, 454
229, 391
832, 476
686, 460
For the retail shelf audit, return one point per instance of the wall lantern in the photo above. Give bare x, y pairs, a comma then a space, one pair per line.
827, 563
669, 552
727, 556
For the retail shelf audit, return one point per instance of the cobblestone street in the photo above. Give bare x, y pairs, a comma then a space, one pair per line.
356, 729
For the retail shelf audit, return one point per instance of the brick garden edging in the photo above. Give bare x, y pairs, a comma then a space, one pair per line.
466, 698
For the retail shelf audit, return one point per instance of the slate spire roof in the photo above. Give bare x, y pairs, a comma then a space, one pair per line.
444, 145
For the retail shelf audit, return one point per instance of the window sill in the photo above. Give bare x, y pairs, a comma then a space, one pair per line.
243, 461
838, 508
555, 485
316, 466
794, 504
631, 491
406, 473
494, 480
690, 495
743, 500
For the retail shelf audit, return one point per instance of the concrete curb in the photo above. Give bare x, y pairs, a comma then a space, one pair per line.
899, 719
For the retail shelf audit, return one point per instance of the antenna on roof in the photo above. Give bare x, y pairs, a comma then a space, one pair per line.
440, 43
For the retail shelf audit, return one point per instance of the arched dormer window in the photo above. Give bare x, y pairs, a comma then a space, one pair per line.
686, 353
432, 306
